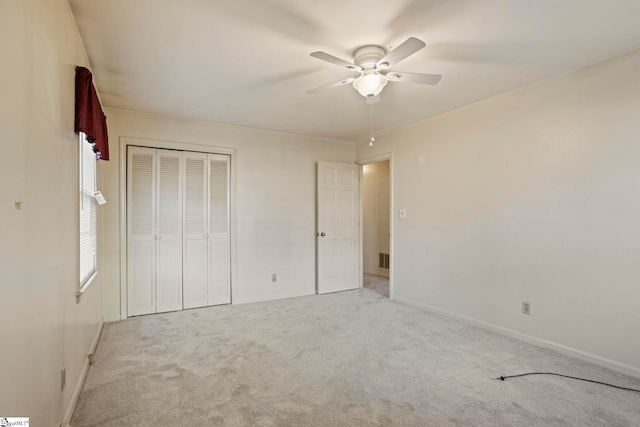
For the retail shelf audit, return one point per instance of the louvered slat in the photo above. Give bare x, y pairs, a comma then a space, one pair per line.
141, 194
169, 197
219, 195
195, 213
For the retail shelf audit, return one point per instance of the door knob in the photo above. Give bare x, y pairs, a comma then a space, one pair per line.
322, 234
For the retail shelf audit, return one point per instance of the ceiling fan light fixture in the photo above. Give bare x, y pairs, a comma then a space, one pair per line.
373, 63
370, 83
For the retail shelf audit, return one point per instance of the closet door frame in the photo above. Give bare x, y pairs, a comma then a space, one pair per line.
125, 142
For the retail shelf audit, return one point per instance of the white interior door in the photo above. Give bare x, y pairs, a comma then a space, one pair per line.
338, 232
169, 231
195, 258
219, 286
141, 225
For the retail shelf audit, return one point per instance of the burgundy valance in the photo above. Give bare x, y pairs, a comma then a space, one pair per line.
89, 116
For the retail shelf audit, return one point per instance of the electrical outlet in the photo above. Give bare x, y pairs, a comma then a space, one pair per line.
274, 277
526, 307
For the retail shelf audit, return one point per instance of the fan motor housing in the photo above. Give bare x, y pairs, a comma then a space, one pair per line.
368, 56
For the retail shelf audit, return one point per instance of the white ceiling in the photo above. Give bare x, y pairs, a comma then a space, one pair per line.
247, 63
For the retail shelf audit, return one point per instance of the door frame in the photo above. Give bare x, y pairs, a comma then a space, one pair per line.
367, 161
126, 141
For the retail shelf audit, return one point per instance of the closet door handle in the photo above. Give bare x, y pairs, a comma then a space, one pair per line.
206, 236
158, 237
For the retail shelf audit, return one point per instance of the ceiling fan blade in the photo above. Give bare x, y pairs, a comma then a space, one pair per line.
423, 79
406, 49
331, 86
323, 56
373, 99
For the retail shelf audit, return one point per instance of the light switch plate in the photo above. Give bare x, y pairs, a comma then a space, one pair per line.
403, 213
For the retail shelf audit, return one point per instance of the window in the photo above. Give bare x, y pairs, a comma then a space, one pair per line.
88, 258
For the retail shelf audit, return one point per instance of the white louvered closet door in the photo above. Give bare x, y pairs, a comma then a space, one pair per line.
141, 251
195, 231
168, 231
219, 286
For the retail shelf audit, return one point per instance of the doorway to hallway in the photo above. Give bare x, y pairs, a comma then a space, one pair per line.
376, 226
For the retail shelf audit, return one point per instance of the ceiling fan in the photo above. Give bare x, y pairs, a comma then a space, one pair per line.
373, 63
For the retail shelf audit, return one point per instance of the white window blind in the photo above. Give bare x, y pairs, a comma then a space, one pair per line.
88, 260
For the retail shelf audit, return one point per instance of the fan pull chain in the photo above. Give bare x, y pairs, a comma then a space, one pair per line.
372, 140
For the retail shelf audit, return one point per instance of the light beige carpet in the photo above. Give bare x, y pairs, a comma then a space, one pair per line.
377, 284
347, 359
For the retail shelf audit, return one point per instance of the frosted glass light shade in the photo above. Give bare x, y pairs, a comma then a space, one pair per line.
370, 84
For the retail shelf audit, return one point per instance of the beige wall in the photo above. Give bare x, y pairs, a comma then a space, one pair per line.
532, 195
275, 201
528, 196
375, 216
42, 330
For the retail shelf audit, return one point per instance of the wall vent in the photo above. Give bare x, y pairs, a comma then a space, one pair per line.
383, 261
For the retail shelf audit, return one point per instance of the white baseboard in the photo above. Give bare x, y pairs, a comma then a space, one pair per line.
270, 298
83, 375
243, 301
110, 317
570, 351
383, 273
